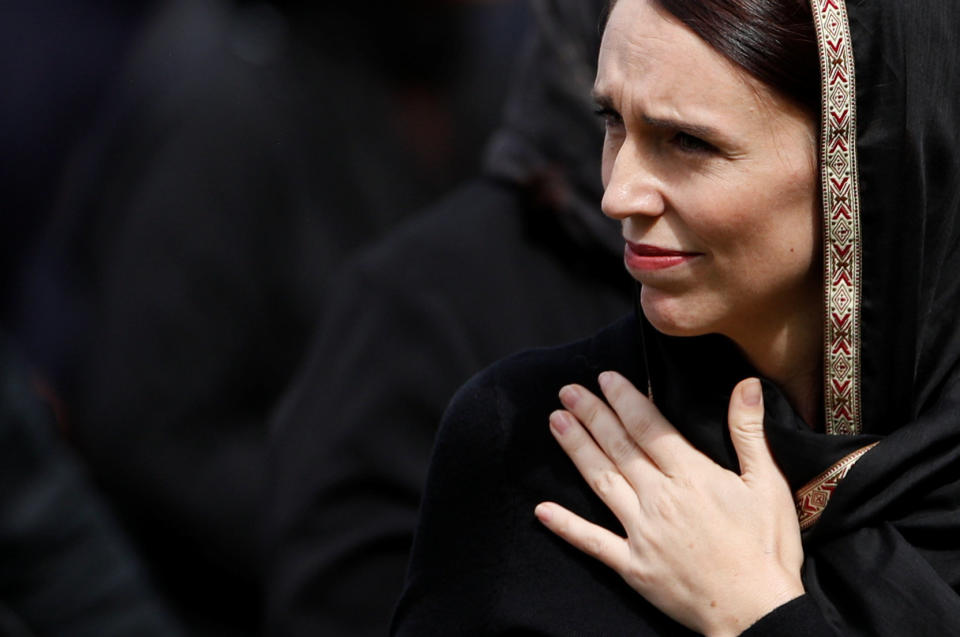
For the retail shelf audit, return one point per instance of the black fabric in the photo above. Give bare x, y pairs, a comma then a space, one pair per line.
67, 569
481, 562
478, 277
884, 558
799, 617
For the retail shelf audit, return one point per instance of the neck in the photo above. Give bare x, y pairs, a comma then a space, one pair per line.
790, 354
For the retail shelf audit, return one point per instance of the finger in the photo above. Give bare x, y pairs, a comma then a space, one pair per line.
646, 426
745, 418
603, 476
608, 431
592, 539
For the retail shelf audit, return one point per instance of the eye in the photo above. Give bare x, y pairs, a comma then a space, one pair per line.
688, 143
610, 117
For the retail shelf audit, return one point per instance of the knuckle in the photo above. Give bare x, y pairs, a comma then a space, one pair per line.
637, 574
747, 422
750, 430
616, 388
639, 426
592, 411
622, 449
665, 506
593, 545
604, 483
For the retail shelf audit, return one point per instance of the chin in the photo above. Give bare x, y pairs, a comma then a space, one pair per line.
672, 316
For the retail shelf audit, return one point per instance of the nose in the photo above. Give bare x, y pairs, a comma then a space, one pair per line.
631, 188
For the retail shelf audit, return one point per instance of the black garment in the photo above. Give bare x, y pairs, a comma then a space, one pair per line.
66, 568
478, 277
482, 564
884, 556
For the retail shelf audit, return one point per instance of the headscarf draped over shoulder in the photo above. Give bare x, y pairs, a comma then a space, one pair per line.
880, 494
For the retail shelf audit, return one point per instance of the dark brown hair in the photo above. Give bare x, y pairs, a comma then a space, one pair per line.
772, 40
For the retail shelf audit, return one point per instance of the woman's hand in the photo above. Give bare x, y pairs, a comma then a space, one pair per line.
714, 550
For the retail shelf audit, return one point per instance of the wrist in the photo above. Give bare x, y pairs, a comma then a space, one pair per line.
736, 621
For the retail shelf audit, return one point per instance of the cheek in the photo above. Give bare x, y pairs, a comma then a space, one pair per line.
775, 226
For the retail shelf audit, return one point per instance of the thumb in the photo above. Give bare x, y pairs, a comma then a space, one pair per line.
745, 418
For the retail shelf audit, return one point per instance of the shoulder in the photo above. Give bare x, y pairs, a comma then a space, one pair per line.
616, 346
502, 397
493, 461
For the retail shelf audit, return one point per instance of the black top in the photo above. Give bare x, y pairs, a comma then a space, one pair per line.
883, 559
482, 564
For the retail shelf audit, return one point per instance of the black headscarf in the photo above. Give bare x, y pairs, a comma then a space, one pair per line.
878, 494
886, 552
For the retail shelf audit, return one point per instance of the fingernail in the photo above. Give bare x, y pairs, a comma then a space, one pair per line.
605, 379
752, 393
569, 396
542, 511
560, 421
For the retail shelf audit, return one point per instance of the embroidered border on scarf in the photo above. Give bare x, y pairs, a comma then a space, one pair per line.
841, 207
813, 498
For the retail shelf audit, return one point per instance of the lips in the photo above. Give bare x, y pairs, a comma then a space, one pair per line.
644, 250
643, 257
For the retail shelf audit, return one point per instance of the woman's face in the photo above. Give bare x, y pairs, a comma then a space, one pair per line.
713, 177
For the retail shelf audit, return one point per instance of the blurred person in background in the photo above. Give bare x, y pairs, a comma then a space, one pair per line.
245, 151
519, 256
65, 567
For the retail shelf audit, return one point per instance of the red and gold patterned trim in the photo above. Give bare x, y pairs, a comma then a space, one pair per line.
813, 498
841, 209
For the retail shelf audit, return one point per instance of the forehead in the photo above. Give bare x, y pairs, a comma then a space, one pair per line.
655, 63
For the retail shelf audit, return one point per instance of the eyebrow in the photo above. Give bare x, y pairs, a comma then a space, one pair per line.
697, 130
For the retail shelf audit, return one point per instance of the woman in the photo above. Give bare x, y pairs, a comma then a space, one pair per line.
712, 165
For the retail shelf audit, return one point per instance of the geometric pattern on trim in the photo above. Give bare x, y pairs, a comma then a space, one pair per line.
813, 498
841, 218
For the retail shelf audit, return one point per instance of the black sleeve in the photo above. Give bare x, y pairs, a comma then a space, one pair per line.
451, 584
879, 580
797, 618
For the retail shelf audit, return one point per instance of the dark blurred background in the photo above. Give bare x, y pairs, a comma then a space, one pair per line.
179, 179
